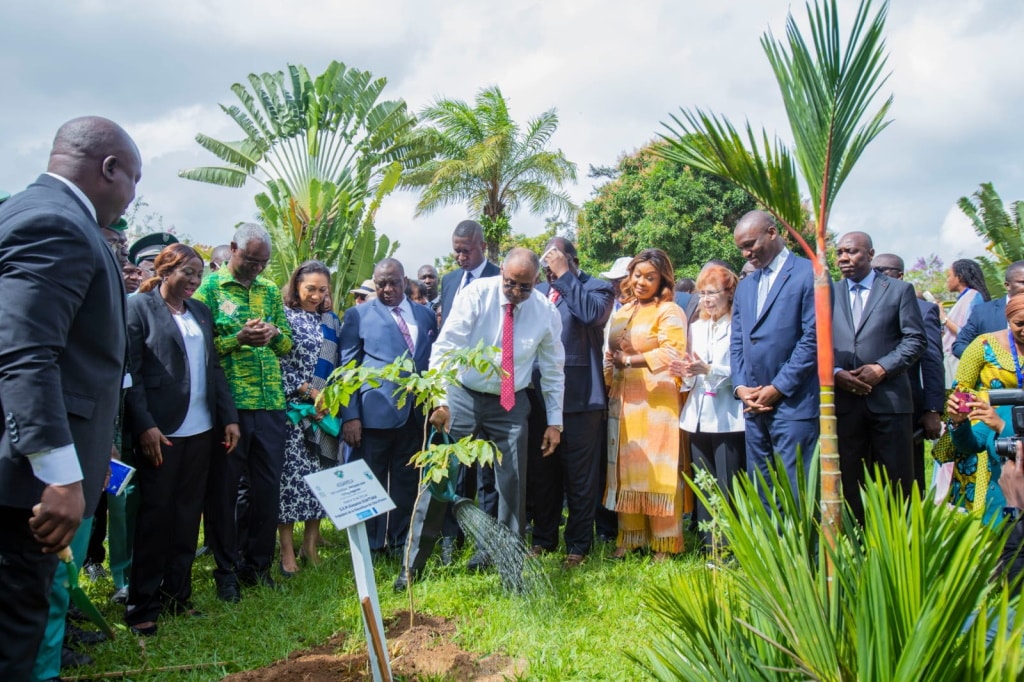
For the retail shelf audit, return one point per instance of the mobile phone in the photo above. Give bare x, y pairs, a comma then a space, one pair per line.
963, 398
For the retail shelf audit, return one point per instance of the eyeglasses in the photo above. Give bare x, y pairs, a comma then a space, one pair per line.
511, 284
708, 294
255, 262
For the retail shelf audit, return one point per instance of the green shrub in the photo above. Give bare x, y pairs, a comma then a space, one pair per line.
896, 607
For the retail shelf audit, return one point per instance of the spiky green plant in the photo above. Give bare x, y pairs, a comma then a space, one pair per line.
898, 606
1002, 230
828, 87
326, 151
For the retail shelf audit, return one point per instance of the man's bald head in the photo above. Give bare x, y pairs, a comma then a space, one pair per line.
520, 256
101, 159
888, 264
758, 239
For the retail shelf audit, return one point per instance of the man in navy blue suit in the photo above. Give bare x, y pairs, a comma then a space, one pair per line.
387, 436
927, 375
773, 349
991, 315
468, 245
572, 472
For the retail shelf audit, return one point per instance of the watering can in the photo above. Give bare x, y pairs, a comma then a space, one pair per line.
444, 490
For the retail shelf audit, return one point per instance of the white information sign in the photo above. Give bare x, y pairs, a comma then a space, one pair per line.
350, 493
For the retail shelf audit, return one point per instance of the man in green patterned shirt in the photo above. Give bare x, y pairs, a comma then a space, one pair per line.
250, 333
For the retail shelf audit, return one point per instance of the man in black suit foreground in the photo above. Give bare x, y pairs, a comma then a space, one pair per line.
877, 335
62, 360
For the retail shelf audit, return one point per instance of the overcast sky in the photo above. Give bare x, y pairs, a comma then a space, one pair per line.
613, 70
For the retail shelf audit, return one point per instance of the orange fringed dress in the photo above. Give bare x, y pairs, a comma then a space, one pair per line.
644, 485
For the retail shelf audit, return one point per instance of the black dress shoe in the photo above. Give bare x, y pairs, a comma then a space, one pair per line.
143, 631
229, 592
76, 635
69, 658
256, 579
479, 562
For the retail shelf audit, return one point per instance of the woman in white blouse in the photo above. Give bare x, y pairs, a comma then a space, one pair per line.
711, 416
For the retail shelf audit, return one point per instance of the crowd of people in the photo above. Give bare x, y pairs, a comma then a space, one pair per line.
614, 387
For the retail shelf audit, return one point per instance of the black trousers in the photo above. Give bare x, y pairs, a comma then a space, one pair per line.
26, 575
867, 439
167, 527
723, 455
260, 457
387, 452
571, 473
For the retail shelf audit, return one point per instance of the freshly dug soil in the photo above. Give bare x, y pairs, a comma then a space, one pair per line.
424, 650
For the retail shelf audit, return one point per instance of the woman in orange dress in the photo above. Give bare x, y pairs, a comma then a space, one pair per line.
646, 334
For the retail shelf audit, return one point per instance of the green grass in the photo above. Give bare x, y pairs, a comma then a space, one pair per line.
579, 631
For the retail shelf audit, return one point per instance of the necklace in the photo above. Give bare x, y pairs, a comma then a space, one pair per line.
176, 311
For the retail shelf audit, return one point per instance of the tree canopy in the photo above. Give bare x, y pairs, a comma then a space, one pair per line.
487, 161
1002, 230
653, 201
327, 151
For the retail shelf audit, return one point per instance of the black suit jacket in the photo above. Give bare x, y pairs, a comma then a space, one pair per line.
891, 334
928, 375
450, 285
161, 384
585, 304
62, 339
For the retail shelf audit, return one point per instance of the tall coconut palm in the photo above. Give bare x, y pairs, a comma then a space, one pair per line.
326, 152
828, 87
1002, 231
486, 161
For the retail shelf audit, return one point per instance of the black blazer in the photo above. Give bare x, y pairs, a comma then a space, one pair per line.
62, 339
160, 378
585, 304
450, 285
989, 316
891, 333
927, 375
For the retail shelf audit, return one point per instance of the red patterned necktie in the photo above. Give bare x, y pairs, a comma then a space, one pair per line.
508, 365
554, 296
404, 328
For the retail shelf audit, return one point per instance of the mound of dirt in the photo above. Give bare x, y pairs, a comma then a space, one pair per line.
424, 650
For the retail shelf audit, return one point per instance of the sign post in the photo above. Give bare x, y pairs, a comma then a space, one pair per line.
351, 495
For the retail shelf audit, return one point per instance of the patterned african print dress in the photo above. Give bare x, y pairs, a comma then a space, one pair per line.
984, 365
644, 485
300, 457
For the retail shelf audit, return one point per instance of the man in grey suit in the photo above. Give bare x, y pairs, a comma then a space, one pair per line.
62, 361
877, 336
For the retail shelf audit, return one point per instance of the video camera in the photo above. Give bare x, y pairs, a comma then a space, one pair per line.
1006, 448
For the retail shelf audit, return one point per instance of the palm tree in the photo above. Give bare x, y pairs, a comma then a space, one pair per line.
1003, 232
485, 160
827, 88
326, 152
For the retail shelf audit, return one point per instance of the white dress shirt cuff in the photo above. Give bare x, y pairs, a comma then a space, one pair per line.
58, 466
554, 417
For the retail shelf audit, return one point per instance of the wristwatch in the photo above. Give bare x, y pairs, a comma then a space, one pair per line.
628, 362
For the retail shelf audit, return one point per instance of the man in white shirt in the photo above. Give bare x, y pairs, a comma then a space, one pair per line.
507, 312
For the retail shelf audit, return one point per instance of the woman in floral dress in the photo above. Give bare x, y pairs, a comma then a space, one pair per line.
308, 448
